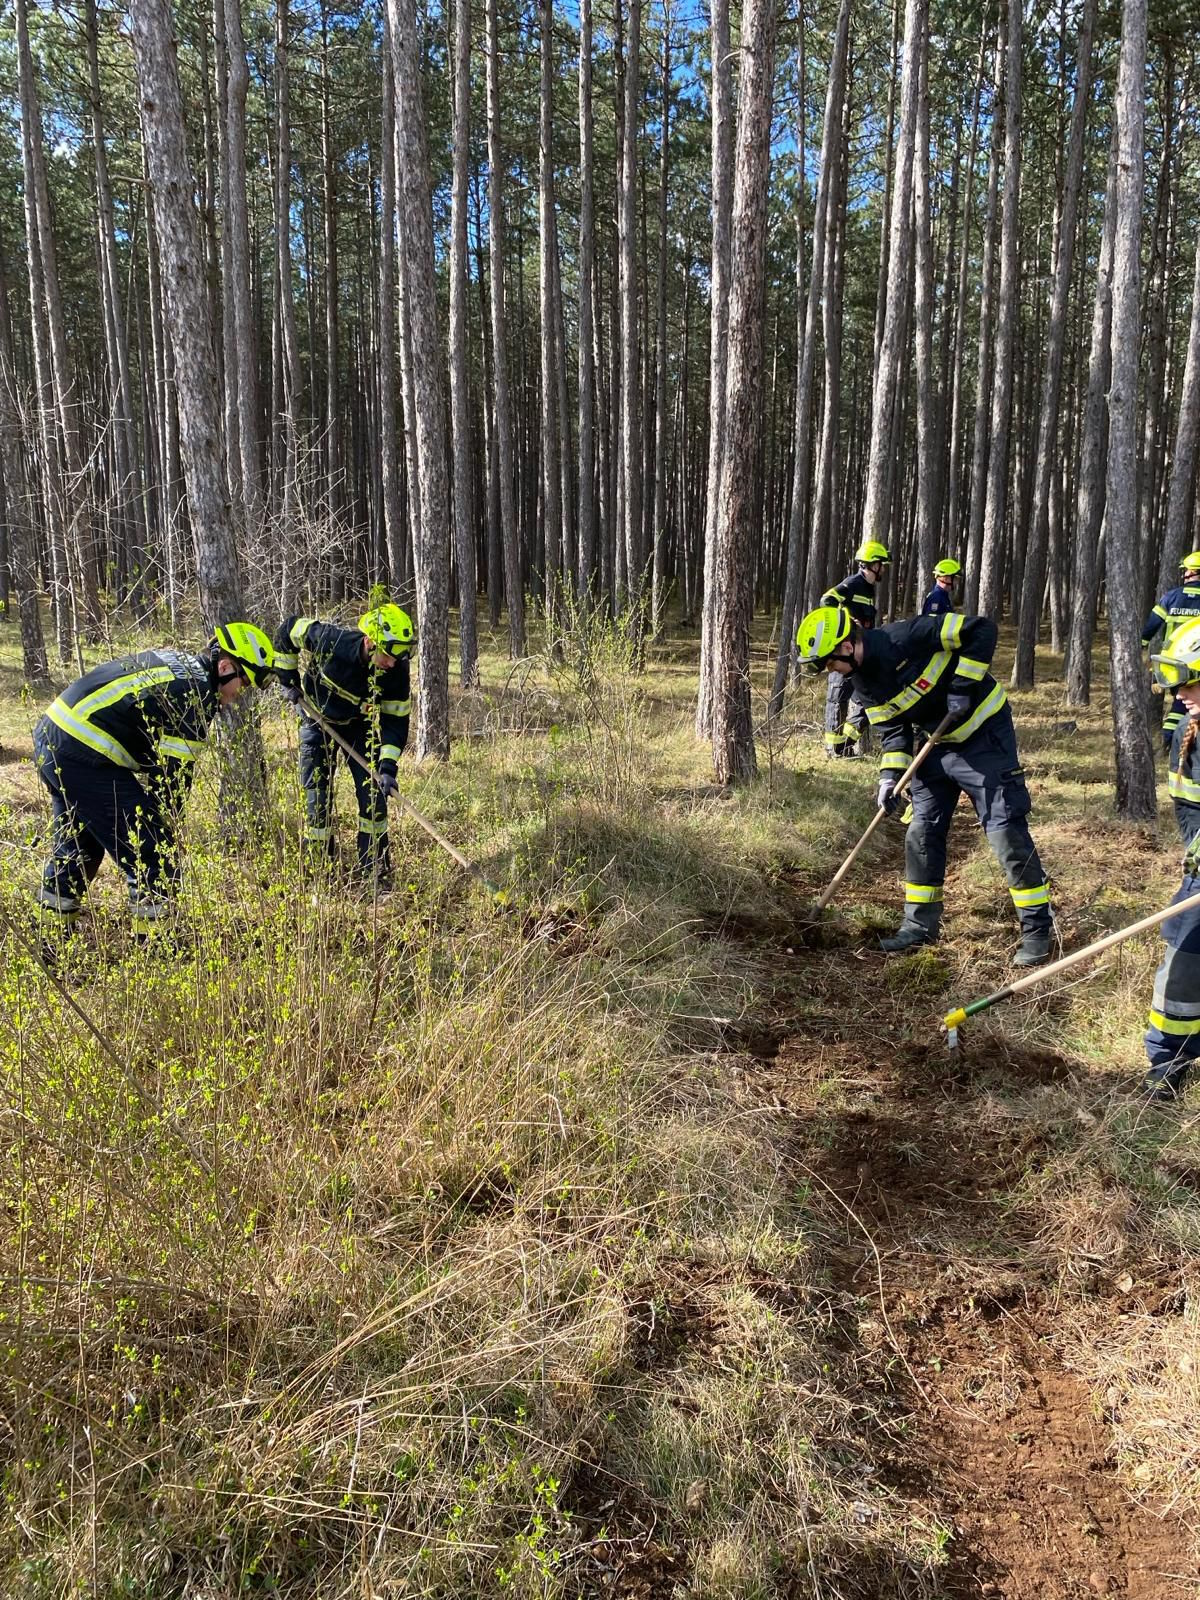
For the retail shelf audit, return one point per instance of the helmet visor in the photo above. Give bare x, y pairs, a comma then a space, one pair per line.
1172, 673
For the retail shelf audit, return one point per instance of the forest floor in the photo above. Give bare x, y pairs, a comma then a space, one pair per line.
653, 1244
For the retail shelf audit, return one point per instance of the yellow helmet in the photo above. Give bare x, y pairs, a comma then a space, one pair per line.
249, 647
947, 569
1191, 563
870, 551
1179, 663
389, 628
819, 635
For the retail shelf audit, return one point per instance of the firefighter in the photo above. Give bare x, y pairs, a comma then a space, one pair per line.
911, 675
358, 680
117, 751
845, 714
1175, 610
1173, 1034
940, 598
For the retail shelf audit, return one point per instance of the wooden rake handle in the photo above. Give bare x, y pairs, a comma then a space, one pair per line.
313, 715
902, 783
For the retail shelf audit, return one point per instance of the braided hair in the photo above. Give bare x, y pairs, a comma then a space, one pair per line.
1188, 742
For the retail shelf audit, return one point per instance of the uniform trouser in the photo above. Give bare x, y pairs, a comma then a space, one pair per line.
987, 769
1175, 713
318, 762
1173, 1034
98, 807
845, 716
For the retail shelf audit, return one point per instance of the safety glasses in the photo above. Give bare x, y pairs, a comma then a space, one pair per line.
1172, 673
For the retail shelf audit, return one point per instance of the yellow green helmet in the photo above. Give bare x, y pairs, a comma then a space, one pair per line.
947, 569
870, 551
1191, 563
249, 647
1179, 663
389, 628
819, 635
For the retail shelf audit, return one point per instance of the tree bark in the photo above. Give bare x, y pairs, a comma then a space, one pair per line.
292, 380
733, 726
1135, 759
1089, 505
891, 351
631, 396
586, 543
188, 314
237, 287
513, 586
831, 134
923, 308
460, 394
551, 475
722, 202
388, 439
433, 563
1007, 313
1181, 494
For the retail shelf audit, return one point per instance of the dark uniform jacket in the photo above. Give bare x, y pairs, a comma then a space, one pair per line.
937, 602
341, 682
857, 594
1175, 608
909, 668
1184, 788
149, 713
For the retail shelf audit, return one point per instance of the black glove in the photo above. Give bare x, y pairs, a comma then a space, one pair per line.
291, 692
958, 705
386, 779
887, 798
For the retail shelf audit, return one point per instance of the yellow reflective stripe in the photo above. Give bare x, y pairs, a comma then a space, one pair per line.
835, 738
390, 752
1024, 898
952, 627
894, 761
370, 826
1180, 1025
985, 709
395, 708
181, 749
1159, 612
922, 894
299, 628
1181, 788
313, 833
128, 683
338, 690
966, 668
286, 661
62, 716
916, 691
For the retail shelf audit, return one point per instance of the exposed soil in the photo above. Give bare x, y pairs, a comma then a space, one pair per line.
926, 1248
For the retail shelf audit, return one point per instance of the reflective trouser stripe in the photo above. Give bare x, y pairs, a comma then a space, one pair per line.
1177, 1025
317, 835
1037, 896
922, 894
377, 829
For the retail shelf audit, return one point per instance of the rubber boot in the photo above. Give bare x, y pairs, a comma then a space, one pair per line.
908, 936
1033, 949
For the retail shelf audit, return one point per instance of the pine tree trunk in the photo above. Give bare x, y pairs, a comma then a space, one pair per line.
826, 204
433, 559
952, 524
920, 571
733, 724
586, 546
991, 558
189, 320
513, 585
987, 332
630, 533
1034, 575
460, 394
551, 473
1135, 759
389, 446
722, 202
1181, 494
21, 535
237, 286
891, 351
1089, 506
292, 380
